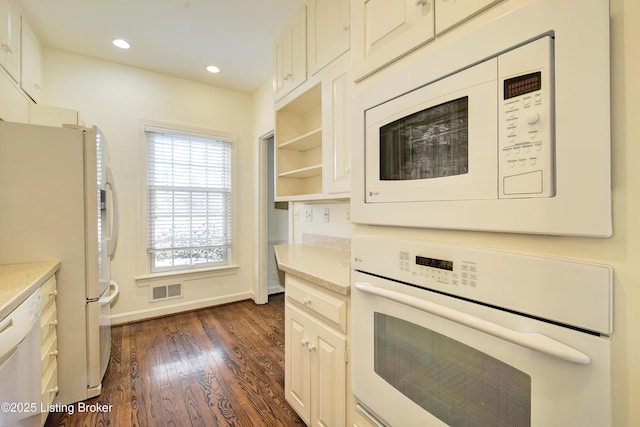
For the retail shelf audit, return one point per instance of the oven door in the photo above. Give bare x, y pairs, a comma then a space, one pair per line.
424, 358
438, 142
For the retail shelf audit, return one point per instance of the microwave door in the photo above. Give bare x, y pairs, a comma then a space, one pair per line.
435, 143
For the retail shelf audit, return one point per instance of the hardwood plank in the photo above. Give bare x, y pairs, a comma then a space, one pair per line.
222, 366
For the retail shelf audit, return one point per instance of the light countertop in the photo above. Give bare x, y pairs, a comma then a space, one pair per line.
19, 281
325, 267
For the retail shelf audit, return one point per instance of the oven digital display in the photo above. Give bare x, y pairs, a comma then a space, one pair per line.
434, 263
520, 85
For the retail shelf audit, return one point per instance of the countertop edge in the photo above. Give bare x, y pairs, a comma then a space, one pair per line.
341, 286
26, 289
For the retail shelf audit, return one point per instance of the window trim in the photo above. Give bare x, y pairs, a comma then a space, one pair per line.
198, 132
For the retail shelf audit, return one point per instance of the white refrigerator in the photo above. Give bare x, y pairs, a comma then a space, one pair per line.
58, 201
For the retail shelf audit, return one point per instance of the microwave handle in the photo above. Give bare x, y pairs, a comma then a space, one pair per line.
531, 340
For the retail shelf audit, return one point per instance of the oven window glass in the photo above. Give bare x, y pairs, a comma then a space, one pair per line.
431, 143
452, 381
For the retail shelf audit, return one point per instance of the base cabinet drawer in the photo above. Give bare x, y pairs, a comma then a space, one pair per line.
332, 309
49, 390
48, 346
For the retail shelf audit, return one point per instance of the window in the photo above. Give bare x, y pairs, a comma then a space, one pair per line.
189, 200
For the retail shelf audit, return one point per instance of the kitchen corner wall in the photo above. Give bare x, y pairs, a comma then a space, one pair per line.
117, 98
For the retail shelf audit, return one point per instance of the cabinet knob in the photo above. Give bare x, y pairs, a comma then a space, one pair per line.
306, 301
304, 342
53, 353
53, 323
7, 48
345, 27
421, 2
311, 347
53, 293
53, 390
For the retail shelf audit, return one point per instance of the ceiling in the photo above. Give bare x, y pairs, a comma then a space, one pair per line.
174, 37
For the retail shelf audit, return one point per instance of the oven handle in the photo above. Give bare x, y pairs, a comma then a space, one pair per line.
531, 340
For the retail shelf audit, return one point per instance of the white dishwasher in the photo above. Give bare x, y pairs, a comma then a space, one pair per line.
20, 395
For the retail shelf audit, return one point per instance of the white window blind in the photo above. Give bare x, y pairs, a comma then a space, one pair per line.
189, 200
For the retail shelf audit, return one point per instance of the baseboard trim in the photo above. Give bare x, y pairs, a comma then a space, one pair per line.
166, 310
275, 289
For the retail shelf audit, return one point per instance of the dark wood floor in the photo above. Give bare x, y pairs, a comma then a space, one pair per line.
222, 366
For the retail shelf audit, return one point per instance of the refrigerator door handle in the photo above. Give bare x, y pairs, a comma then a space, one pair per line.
112, 241
116, 290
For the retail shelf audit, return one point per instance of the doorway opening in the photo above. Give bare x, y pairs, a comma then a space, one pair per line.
274, 224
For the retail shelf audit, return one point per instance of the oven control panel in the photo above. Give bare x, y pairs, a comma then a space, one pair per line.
427, 269
516, 281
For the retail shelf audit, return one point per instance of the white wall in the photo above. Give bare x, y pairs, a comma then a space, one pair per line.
117, 98
339, 224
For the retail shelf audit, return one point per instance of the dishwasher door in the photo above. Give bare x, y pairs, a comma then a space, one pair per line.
20, 382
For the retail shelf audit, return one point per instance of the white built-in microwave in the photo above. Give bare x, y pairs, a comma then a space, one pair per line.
504, 128
485, 132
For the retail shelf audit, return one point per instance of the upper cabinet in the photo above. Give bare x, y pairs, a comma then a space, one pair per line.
31, 79
336, 148
313, 37
320, 52
20, 55
328, 26
290, 54
384, 30
10, 38
313, 157
452, 12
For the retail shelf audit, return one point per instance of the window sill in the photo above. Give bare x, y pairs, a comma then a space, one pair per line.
195, 274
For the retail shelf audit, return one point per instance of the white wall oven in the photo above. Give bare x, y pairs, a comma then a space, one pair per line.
492, 130
458, 336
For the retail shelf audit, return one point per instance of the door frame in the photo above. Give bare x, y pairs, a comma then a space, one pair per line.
260, 273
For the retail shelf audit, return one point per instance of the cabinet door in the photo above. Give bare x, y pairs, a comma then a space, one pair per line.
31, 81
452, 12
290, 54
328, 378
327, 32
297, 385
281, 61
298, 31
384, 30
10, 38
335, 135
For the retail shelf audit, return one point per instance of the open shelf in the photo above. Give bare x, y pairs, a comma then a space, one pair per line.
309, 171
298, 153
309, 140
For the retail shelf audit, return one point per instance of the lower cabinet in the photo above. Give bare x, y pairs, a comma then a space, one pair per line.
315, 353
49, 345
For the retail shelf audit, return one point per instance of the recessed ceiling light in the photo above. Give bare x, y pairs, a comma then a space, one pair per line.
122, 44
213, 69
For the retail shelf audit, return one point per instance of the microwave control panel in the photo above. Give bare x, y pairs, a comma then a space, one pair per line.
526, 121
